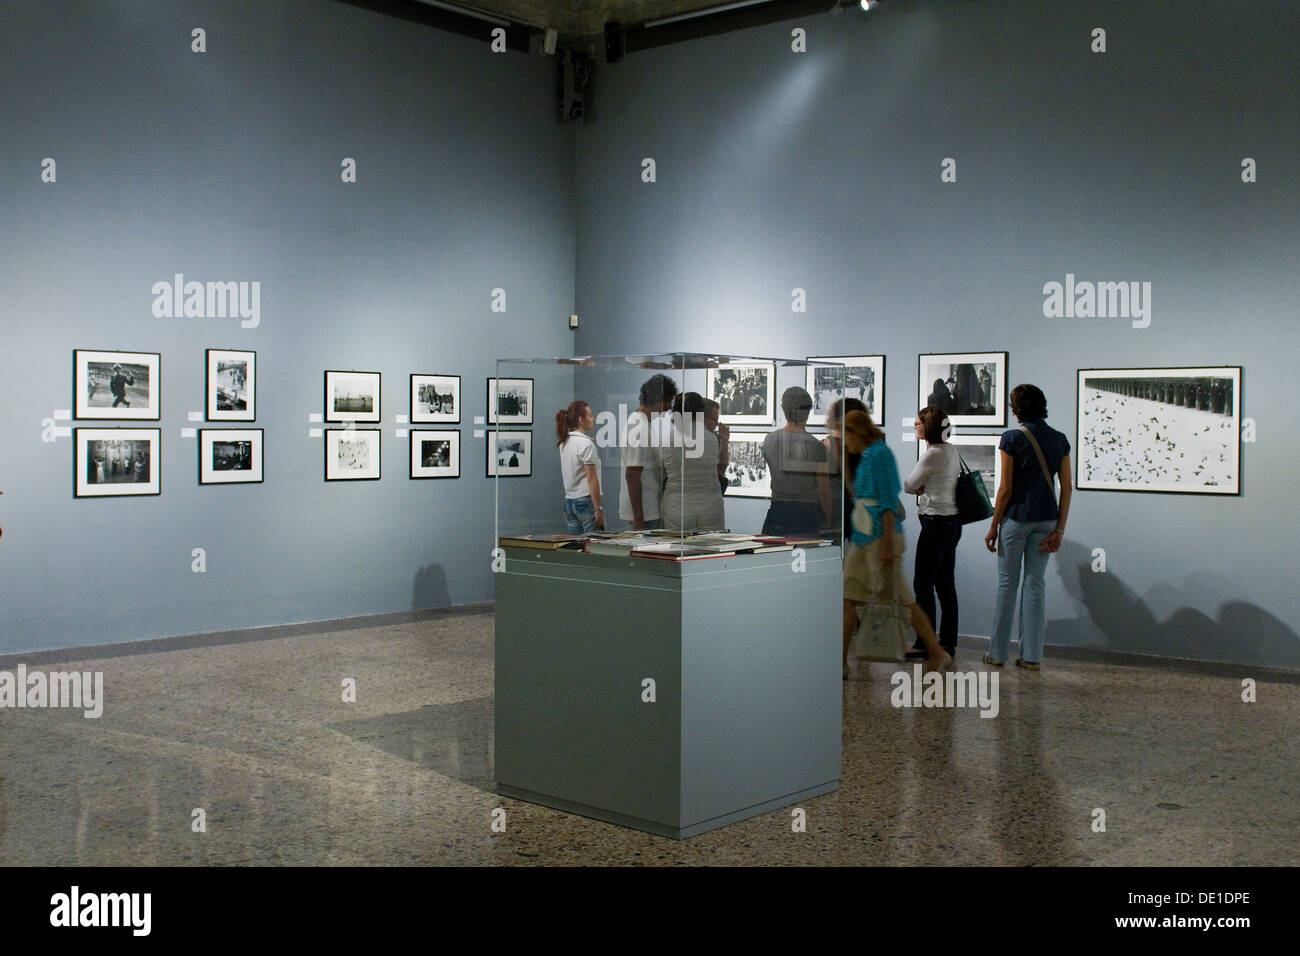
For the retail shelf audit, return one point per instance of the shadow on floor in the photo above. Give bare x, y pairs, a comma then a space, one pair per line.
451, 739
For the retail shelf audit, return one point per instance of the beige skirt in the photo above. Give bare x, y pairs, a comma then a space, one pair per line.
867, 581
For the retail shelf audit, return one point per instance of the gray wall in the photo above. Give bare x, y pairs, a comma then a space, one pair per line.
226, 166
820, 171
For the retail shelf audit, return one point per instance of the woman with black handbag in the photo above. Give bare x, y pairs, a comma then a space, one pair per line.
1028, 524
934, 482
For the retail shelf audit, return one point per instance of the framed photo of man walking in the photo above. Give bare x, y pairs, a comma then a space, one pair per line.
116, 386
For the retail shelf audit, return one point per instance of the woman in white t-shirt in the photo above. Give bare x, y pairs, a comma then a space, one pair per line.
934, 482
580, 468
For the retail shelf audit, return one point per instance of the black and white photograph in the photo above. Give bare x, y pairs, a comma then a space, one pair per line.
970, 386
116, 462
352, 454
435, 398
509, 454
863, 377
510, 401
231, 385
116, 385
351, 396
744, 392
747, 473
435, 454
230, 456
1172, 430
980, 452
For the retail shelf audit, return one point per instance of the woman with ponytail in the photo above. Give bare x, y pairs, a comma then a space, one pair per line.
580, 468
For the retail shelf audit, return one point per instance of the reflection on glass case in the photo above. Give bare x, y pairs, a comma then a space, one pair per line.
637, 456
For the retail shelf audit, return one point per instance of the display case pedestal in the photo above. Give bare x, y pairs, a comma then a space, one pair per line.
741, 656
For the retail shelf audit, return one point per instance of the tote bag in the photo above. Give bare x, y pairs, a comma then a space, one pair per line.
972, 497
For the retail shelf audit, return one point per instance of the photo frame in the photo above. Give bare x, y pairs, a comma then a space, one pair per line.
1167, 430
435, 454
745, 391
510, 454
435, 399
352, 454
116, 386
116, 462
970, 386
864, 379
231, 385
230, 456
980, 452
747, 474
510, 401
351, 396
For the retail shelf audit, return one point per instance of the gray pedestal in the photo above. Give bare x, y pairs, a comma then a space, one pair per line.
745, 656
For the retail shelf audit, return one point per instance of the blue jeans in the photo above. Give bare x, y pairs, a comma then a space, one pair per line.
580, 515
1018, 542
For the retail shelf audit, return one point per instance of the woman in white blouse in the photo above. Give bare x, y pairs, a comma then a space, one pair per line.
934, 482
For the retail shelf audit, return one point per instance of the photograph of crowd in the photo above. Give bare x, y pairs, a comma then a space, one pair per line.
113, 462
744, 392
352, 454
863, 378
747, 473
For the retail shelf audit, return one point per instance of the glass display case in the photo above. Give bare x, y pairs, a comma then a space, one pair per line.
668, 587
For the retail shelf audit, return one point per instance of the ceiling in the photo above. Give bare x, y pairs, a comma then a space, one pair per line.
578, 18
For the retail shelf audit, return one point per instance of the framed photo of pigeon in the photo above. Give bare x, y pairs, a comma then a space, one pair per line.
1160, 429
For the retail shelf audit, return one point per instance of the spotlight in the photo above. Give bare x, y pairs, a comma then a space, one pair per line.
868, 5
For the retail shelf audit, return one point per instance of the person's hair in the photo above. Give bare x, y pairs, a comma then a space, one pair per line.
938, 384
841, 404
567, 419
658, 388
796, 403
1028, 402
711, 406
860, 424
689, 403
934, 421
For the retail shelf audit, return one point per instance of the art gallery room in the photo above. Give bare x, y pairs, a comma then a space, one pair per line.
296, 571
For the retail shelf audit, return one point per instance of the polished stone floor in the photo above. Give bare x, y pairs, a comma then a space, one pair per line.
253, 731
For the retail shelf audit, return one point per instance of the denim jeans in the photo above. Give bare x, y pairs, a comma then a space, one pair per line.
1018, 543
936, 562
579, 515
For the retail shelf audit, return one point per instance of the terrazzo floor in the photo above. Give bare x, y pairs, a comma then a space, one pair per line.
253, 731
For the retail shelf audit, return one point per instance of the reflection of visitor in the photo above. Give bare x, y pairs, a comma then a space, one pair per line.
643, 476
117, 385
692, 495
801, 501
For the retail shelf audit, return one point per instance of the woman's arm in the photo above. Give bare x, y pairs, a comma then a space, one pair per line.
1052, 543
1001, 501
925, 467
593, 486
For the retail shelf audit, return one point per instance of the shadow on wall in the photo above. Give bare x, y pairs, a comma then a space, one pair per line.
1242, 633
430, 588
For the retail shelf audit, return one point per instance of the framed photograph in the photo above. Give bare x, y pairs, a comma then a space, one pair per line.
864, 379
980, 452
744, 390
435, 398
510, 401
116, 385
115, 462
747, 472
232, 385
970, 386
510, 454
1160, 429
230, 456
352, 454
435, 454
351, 396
